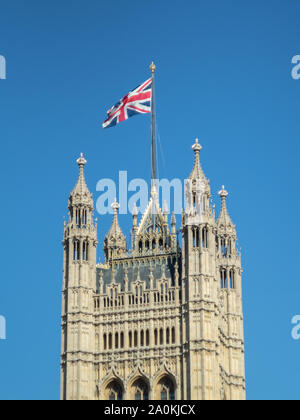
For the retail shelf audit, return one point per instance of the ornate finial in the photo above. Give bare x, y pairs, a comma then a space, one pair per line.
115, 206
81, 161
223, 193
152, 67
197, 146
197, 172
224, 218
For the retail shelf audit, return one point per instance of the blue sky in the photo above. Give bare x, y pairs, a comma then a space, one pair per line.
224, 75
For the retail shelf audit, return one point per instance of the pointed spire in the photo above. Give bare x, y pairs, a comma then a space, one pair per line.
115, 227
197, 172
153, 214
197, 192
81, 184
81, 194
115, 240
224, 218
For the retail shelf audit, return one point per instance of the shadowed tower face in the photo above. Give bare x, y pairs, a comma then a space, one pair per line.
153, 321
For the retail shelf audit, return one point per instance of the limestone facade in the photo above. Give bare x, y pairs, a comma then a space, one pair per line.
155, 321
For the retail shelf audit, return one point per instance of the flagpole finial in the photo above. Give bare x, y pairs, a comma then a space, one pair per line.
152, 67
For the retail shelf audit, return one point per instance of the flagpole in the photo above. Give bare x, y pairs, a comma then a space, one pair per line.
153, 128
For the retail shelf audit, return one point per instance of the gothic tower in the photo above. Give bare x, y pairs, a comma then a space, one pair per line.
79, 280
200, 298
212, 298
231, 332
153, 321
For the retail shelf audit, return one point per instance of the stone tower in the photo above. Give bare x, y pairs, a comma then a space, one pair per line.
154, 321
231, 325
200, 300
79, 280
212, 310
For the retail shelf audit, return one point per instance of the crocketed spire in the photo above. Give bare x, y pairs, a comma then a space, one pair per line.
224, 220
197, 191
197, 172
115, 240
81, 194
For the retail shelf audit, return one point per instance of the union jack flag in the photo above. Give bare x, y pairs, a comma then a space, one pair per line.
138, 101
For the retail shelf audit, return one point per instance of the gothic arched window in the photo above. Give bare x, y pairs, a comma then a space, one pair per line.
168, 336
232, 279
76, 255
140, 390
205, 237
84, 217
135, 339
155, 337
197, 238
194, 200
161, 336
229, 247
173, 335
114, 391
130, 338
166, 389
223, 277
224, 248
142, 338
85, 249
78, 218
104, 342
